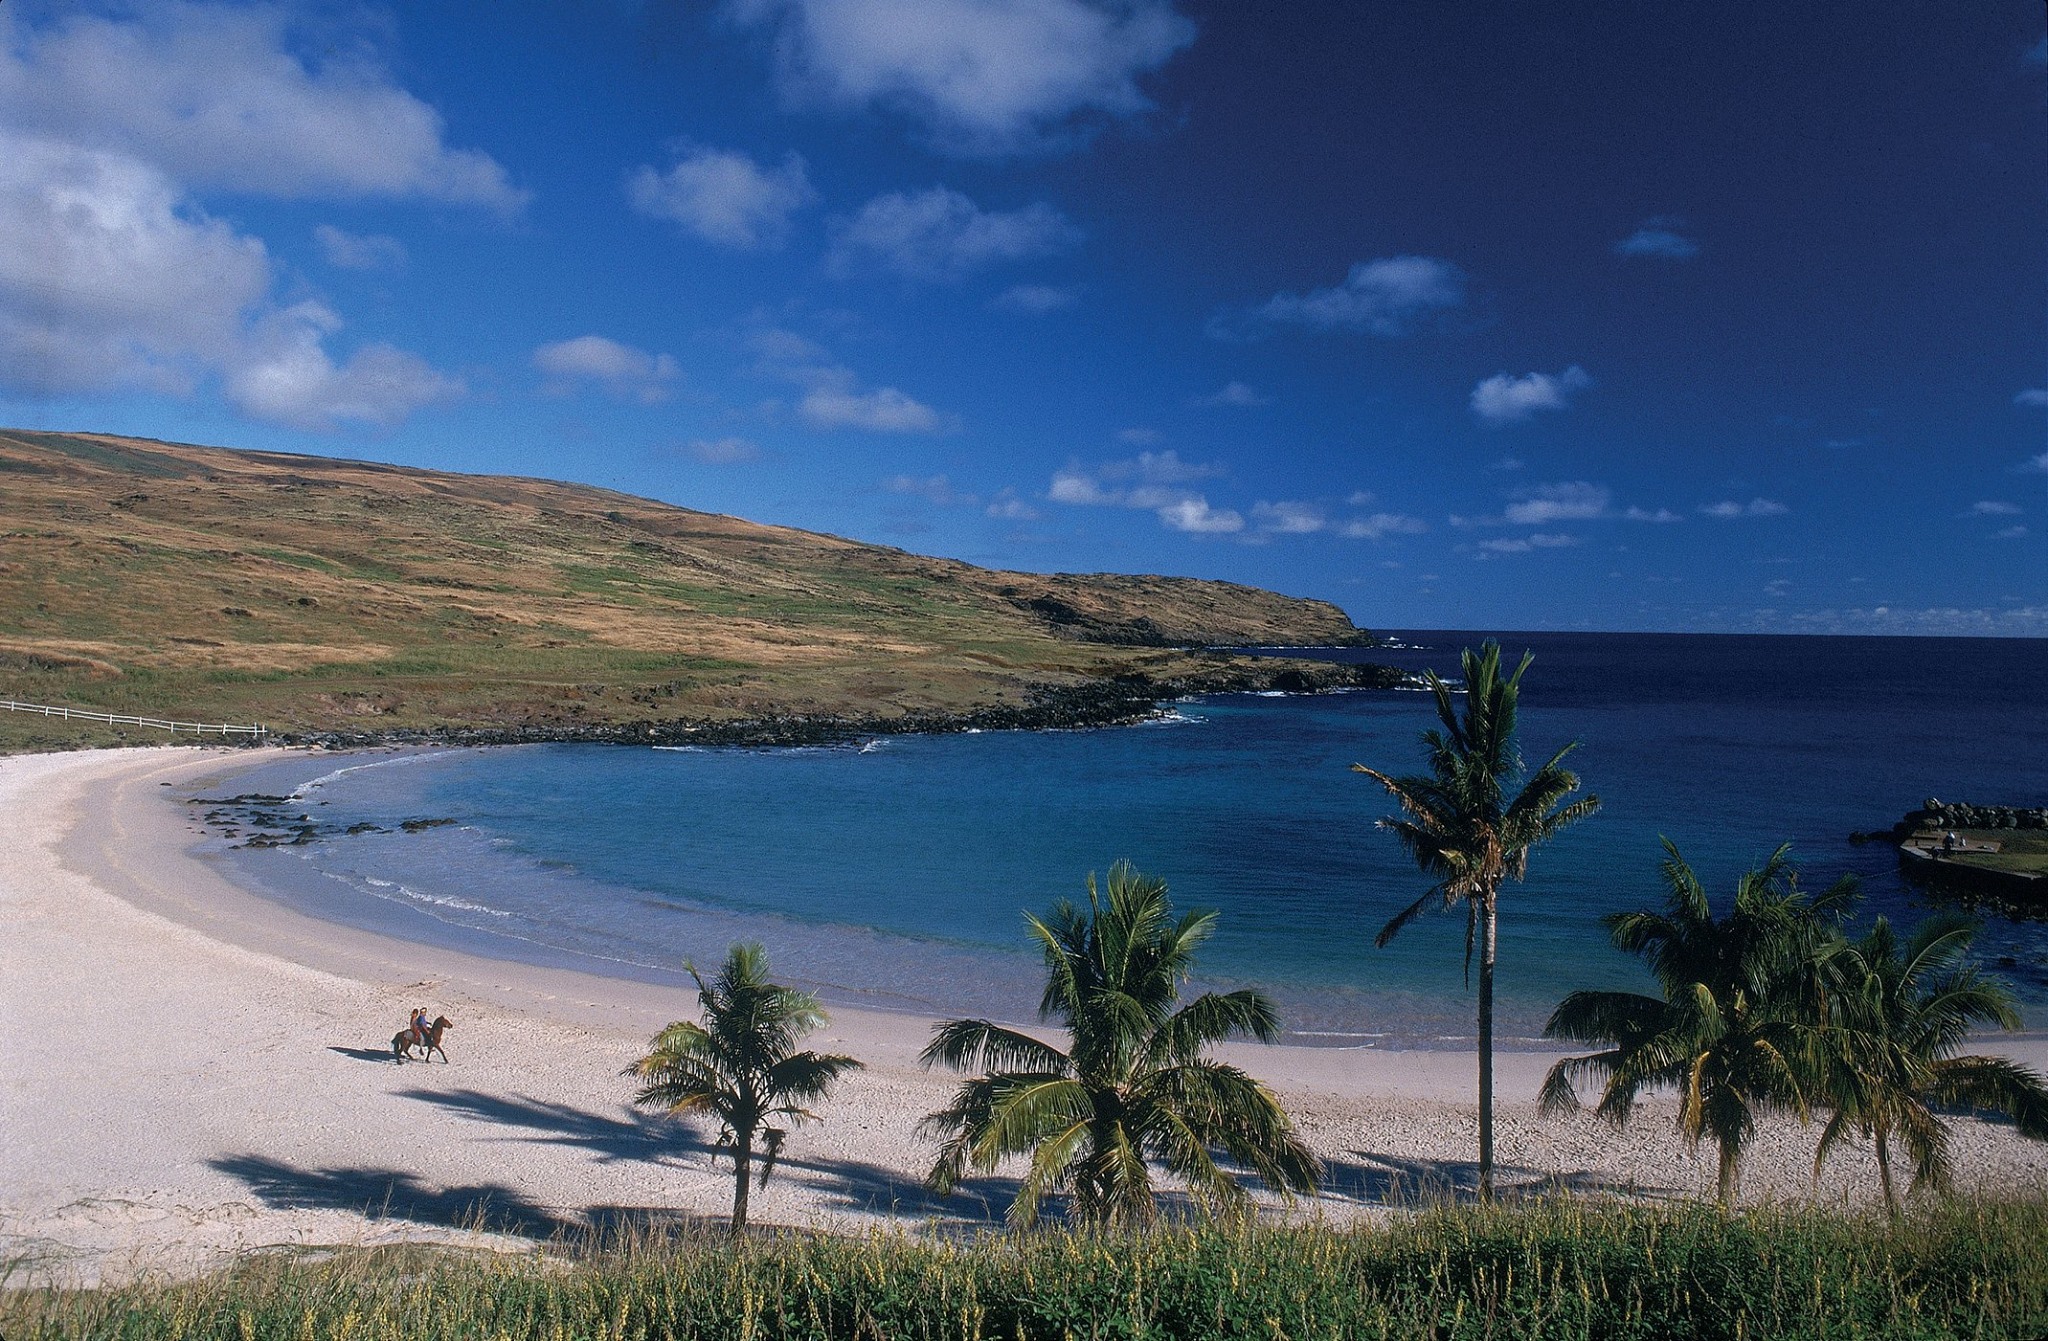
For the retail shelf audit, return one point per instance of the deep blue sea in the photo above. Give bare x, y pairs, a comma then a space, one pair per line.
894, 872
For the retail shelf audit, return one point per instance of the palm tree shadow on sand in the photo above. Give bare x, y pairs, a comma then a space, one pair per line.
1374, 1179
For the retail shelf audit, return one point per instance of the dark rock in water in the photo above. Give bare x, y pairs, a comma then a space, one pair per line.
415, 825
367, 827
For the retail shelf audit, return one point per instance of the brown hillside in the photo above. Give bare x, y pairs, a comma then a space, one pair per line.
317, 595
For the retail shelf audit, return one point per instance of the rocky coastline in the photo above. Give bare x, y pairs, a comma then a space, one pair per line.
1116, 701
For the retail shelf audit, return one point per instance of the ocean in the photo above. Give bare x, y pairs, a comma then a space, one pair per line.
893, 872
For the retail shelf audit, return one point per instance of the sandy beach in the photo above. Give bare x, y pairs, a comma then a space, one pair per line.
187, 1070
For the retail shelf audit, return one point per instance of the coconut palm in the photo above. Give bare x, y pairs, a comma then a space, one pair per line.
741, 1065
1739, 1025
1133, 1087
1900, 1016
1466, 832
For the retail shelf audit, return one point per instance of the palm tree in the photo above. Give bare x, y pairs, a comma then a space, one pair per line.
1463, 830
1739, 1025
1900, 1016
741, 1065
1133, 1087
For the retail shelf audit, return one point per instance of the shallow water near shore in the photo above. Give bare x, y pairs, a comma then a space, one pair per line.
893, 872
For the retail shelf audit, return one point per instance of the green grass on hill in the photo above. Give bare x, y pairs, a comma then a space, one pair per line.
1557, 1270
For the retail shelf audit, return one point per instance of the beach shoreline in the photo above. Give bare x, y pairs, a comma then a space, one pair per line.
192, 1070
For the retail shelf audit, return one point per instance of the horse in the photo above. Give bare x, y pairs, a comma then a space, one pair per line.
403, 1042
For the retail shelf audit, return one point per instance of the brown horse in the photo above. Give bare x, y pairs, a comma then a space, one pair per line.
404, 1041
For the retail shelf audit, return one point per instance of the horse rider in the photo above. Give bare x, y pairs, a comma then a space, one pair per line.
421, 1026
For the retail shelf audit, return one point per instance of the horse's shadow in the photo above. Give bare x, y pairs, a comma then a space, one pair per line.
382, 1055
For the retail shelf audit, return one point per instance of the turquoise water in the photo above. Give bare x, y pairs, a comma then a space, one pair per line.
893, 872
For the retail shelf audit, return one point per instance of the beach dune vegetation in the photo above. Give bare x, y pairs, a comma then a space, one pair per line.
1470, 835
741, 1065
1134, 1086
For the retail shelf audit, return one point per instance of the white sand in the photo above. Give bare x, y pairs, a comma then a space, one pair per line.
187, 1070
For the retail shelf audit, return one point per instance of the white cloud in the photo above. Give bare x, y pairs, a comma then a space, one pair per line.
1159, 468
1194, 515
2037, 54
883, 410
2032, 396
1991, 508
1524, 544
1660, 515
2009, 533
288, 377
111, 280
1657, 238
832, 397
1138, 437
725, 197
1380, 525
1505, 399
214, 96
2037, 465
1076, 486
622, 370
978, 76
723, 451
1006, 506
1755, 507
940, 235
1289, 518
359, 251
933, 489
1233, 394
1035, 299
1387, 297
1576, 500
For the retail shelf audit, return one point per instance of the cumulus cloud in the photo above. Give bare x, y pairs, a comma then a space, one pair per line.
1658, 238
214, 95
1035, 299
1380, 525
625, 372
1994, 508
941, 235
2037, 465
1576, 500
1006, 506
2037, 396
288, 377
722, 451
2009, 533
1659, 515
111, 280
832, 397
725, 197
1289, 518
359, 251
1755, 507
979, 77
1506, 399
1194, 515
1235, 394
1387, 297
1138, 437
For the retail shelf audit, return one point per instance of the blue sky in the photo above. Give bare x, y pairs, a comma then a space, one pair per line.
1517, 315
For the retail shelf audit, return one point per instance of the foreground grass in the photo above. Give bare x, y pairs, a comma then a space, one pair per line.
1561, 1270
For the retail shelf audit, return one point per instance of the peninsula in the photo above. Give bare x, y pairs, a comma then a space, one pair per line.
348, 602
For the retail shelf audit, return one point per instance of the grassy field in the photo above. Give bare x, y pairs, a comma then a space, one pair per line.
1554, 1270
311, 594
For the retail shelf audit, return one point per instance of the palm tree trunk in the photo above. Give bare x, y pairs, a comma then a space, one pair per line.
743, 1168
1488, 911
1884, 1175
1731, 1171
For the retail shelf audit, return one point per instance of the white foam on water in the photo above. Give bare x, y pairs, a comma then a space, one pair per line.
300, 792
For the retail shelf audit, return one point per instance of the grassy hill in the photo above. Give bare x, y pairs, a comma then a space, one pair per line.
319, 596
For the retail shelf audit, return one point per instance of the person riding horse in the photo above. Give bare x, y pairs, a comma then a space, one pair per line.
422, 1027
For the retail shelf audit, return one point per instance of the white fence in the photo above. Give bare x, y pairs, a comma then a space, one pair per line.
121, 719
